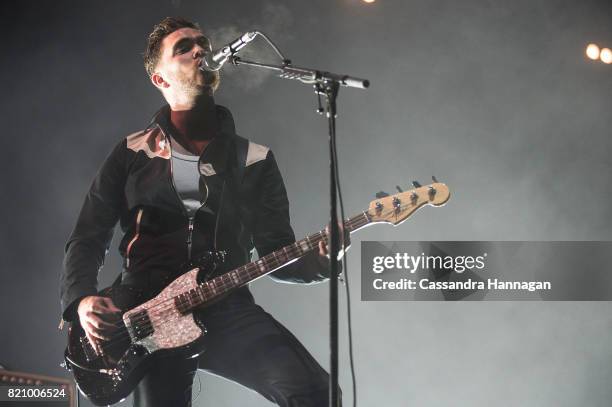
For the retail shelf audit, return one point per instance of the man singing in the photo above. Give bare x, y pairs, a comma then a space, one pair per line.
185, 185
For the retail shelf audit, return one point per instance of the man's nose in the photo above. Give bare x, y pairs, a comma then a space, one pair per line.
198, 52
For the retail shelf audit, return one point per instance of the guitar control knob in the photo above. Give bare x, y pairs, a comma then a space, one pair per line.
381, 194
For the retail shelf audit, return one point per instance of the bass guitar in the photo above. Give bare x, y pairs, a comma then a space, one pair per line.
166, 323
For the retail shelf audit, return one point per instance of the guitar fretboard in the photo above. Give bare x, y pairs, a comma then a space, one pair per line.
221, 285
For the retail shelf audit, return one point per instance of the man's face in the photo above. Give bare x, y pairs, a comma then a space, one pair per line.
181, 52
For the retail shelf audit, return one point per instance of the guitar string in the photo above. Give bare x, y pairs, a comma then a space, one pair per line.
160, 308
273, 262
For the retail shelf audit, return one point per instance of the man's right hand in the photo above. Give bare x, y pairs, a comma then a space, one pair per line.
98, 317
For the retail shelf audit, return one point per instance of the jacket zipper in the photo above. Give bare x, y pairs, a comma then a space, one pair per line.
134, 239
189, 237
191, 222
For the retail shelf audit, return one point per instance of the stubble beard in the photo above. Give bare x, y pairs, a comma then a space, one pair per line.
192, 87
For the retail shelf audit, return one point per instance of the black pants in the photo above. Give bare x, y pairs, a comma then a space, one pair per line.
247, 345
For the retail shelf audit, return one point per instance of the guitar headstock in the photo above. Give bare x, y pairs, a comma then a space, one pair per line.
397, 208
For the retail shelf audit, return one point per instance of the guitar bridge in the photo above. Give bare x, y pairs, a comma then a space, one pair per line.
88, 350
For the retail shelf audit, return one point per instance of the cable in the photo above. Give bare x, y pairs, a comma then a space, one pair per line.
345, 269
197, 374
274, 47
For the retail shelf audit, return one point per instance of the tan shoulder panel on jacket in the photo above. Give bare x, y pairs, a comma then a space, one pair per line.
152, 142
256, 153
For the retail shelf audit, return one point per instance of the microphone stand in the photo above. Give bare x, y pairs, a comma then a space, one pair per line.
325, 84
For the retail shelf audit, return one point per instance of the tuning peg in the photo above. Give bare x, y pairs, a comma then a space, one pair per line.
398, 188
381, 194
416, 184
434, 179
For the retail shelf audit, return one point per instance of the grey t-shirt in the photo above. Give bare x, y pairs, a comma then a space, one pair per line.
187, 179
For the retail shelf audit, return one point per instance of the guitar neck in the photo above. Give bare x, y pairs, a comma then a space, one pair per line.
221, 285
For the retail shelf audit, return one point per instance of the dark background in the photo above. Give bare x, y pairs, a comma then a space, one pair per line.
495, 98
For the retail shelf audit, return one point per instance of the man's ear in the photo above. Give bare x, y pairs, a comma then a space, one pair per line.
158, 81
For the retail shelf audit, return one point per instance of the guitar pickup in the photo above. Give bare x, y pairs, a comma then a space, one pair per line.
140, 325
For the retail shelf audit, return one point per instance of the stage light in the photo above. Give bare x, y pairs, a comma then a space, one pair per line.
369, 1
606, 56
592, 51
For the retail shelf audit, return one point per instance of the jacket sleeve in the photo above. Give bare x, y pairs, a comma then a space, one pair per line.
89, 242
272, 229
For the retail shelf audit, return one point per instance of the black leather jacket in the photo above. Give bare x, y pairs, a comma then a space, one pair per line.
134, 186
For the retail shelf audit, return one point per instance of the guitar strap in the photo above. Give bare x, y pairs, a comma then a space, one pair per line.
234, 182
242, 149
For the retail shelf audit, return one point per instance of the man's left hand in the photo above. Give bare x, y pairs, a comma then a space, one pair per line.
344, 245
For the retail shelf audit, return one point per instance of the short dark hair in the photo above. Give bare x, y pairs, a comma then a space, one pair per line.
160, 31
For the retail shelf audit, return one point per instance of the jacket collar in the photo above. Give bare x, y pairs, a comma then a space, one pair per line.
218, 153
225, 121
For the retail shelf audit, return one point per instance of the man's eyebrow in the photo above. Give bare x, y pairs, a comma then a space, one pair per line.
203, 40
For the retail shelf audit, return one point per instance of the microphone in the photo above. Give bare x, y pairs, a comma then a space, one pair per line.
213, 61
